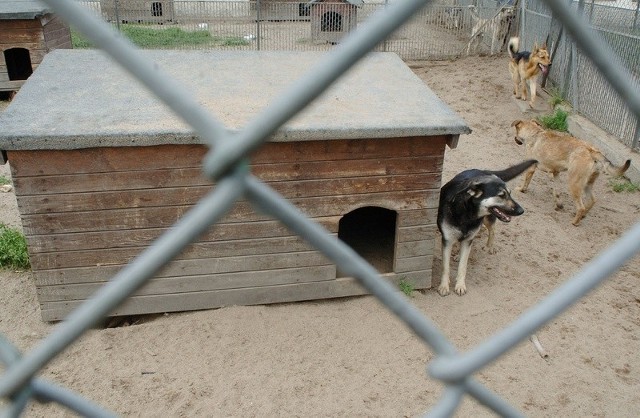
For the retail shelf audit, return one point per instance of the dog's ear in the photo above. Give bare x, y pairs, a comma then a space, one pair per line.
475, 190
536, 122
516, 123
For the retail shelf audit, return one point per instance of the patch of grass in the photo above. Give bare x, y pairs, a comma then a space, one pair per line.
13, 249
623, 185
78, 41
150, 37
406, 287
4, 180
556, 97
556, 121
231, 41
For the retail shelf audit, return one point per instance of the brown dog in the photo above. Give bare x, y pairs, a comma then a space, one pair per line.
557, 152
525, 67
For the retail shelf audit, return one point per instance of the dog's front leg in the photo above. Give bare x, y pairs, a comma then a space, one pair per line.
532, 89
447, 246
489, 224
465, 250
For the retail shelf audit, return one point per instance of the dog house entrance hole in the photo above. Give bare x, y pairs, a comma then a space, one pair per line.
371, 232
18, 63
331, 22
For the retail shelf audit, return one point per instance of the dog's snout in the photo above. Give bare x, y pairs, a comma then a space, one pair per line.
518, 210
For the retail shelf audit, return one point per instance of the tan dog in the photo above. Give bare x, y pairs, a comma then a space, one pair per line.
525, 67
557, 152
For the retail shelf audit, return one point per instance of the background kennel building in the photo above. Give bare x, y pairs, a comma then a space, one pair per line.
332, 20
363, 162
28, 31
138, 11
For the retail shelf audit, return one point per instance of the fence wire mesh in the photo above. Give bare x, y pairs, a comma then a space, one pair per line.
573, 73
226, 164
441, 31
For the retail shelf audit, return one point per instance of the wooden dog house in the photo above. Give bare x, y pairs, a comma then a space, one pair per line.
331, 20
101, 168
138, 11
28, 31
282, 10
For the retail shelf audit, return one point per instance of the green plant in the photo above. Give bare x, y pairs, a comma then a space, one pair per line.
13, 249
621, 184
153, 37
4, 180
556, 97
406, 287
556, 121
234, 41
79, 41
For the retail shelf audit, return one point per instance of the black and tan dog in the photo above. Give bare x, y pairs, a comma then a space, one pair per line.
558, 152
471, 198
525, 67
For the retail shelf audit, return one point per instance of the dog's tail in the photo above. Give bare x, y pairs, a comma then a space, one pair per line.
513, 171
608, 165
514, 45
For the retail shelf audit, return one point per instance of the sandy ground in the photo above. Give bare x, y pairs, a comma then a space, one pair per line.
351, 357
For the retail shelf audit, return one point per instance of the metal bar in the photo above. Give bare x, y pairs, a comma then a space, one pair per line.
595, 272
173, 94
600, 53
196, 221
304, 90
49, 392
270, 202
348, 261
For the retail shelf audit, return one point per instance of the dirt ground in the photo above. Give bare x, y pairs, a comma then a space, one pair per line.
351, 357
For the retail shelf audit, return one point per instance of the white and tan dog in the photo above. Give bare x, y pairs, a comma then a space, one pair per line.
497, 26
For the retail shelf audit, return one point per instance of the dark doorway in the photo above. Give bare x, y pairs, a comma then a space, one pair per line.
18, 63
371, 232
331, 22
156, 9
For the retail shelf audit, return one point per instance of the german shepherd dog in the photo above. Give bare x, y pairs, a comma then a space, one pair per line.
469, 200
557, 152
525, 67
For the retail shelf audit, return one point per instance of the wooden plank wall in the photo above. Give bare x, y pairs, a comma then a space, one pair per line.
57, 34
88, 212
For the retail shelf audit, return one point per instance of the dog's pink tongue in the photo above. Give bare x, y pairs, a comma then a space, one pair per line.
544, 68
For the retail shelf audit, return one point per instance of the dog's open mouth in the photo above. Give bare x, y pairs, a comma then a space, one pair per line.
544, 68
500, 214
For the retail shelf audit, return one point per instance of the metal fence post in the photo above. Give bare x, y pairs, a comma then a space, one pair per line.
258, 34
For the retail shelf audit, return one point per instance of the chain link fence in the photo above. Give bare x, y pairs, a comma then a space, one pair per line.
573, 74
441, 31
226, 164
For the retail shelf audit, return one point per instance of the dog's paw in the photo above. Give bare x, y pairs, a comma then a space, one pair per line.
490, 250
460, 289
521, 189
443, 290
